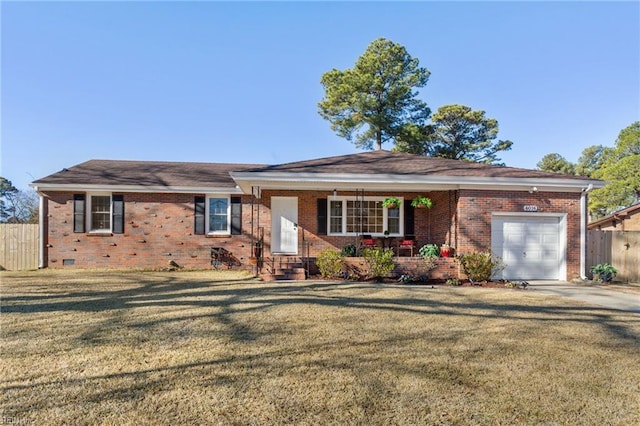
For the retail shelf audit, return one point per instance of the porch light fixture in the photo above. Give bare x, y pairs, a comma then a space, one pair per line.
335, 194
533, 190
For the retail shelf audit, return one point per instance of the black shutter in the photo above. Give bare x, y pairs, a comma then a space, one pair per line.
198, 223
236, 215
118, 213
78, 212
409, 227
322, 216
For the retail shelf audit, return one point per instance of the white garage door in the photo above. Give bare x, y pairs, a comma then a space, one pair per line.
532, 247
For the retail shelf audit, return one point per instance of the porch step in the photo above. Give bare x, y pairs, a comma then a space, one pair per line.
283, 268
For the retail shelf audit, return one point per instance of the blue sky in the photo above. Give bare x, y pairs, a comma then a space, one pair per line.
240, 82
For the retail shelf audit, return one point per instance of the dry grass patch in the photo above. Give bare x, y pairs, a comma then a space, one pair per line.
201, 348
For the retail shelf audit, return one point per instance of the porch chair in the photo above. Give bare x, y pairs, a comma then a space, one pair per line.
367, 241
406, 244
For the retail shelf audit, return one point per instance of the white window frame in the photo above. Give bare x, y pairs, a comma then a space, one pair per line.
207, 216
89, 220
385, 217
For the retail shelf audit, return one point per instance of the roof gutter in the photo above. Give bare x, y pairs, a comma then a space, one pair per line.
44, 187
394, 182
583, 231
42, 214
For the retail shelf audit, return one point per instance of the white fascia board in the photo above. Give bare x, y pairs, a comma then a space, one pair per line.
381, 182
137, 188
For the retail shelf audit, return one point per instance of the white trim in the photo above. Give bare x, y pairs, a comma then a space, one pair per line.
208, 215
88, 213
385, 216
409, 182
138, 188
343, 181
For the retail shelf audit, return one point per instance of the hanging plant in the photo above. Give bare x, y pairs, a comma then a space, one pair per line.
421, 202
391, 203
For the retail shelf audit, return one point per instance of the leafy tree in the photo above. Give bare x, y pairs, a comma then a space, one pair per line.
592, 159
459, 133
556, 163
375, 101
622, 189
414, 139
621, 169
7, 190
17, 206
628, 142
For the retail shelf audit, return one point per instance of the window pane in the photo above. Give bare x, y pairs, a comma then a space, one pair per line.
100, 213
393, 221
335, 217
365, 217
218, 215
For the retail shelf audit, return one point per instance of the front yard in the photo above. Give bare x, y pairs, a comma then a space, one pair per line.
209, 348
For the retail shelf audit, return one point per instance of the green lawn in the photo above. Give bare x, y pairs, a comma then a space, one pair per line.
136, 348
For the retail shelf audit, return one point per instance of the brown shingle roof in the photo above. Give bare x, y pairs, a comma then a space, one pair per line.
387, 162
147, 173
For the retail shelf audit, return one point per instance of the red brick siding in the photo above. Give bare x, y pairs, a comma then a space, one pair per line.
158, 228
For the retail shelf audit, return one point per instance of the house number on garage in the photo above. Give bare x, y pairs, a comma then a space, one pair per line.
530, 208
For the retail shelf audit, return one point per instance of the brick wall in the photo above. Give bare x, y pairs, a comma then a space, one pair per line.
158, 228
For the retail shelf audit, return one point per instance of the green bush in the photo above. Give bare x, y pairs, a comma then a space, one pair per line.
330, 263
480, 266
379, 260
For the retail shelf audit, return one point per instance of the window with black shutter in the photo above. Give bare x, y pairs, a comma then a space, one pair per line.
322, 216
409, 213
199, 211
118, 213
78, 212
236, 215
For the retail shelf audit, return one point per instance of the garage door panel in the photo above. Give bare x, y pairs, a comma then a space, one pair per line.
529, 246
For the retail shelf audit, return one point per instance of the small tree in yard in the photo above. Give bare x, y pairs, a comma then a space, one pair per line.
379, 261
481, 266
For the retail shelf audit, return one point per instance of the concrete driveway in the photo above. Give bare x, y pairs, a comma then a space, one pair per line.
590, 294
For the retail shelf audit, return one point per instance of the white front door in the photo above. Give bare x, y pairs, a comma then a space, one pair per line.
532, 247
284, 225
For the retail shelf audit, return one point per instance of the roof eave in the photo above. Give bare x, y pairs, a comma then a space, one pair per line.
44, 187
382, 182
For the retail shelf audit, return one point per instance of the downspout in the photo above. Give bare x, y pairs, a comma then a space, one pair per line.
41, 231
583, 231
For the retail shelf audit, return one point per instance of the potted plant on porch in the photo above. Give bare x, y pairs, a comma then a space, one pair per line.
422, 202
391, 202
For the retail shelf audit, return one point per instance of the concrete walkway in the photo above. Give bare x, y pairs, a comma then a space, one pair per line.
591, 294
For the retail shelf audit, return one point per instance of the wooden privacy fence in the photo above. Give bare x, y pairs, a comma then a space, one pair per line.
618, 248
19, 244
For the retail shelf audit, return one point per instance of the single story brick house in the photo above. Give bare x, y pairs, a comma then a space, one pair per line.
144, 214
